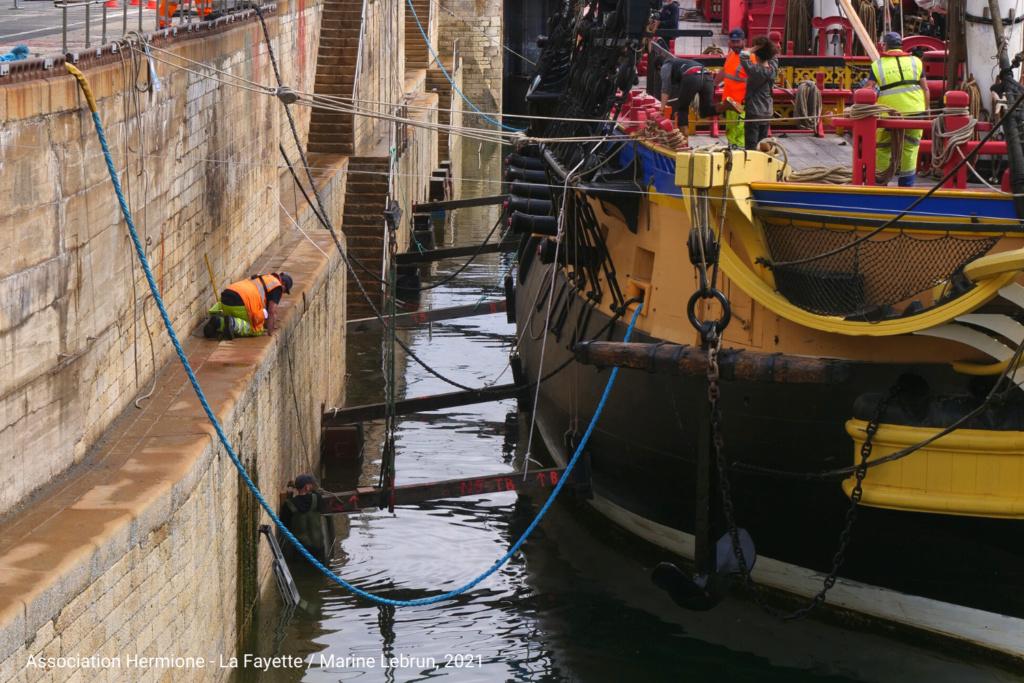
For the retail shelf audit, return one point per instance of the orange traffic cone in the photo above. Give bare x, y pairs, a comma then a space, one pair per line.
112, 4
134, 3
151, 4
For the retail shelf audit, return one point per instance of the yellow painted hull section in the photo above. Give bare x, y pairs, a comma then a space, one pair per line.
970, 472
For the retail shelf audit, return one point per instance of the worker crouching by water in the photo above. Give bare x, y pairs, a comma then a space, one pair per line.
301, 514
903, 86
246, 305
762, 66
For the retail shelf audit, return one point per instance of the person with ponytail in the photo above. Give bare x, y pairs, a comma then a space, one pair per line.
762, 71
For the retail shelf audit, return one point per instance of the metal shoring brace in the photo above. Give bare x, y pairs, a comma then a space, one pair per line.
387, 470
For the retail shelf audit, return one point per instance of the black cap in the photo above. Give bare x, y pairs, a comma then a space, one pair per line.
286, 280
304, 479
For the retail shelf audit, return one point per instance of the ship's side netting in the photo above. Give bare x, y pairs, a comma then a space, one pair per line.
864, 276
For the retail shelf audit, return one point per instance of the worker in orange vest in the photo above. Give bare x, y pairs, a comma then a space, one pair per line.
734, 88
245, 305
167, 8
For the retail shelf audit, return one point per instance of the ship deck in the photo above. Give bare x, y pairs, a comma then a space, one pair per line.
803, 149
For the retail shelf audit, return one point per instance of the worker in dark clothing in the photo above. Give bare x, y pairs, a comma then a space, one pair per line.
762, 71
669, 17
301, 515
655, 60
682, 80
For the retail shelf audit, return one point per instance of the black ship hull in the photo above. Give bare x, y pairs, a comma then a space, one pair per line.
952, 576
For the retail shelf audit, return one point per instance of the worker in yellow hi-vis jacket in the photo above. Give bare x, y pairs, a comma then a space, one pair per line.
901, 85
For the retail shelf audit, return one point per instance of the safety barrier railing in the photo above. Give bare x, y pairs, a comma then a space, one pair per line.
88, 7
127, 17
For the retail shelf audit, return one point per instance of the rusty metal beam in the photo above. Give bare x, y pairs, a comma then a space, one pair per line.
434, 315
459, 203
411, 494
376, 411
411, 257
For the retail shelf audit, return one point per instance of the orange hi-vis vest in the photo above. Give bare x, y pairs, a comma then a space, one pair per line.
735, 83
166, 9
254, 295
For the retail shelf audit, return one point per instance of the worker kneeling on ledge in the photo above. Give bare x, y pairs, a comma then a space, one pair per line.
301, 514
246, 305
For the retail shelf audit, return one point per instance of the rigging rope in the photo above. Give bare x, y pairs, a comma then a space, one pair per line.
798, 25
807, 105
867, 14
947, 143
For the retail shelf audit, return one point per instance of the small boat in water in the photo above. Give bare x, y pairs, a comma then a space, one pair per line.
821, 396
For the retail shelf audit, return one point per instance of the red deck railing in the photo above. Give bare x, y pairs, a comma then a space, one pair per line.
865, 129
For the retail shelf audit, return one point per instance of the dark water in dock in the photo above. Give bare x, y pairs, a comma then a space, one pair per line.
576, 604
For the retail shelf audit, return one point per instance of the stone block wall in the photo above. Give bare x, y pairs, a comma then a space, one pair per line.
381, 75
477, 24
163, 559
417, 161
295, 47
78, 332
457, 106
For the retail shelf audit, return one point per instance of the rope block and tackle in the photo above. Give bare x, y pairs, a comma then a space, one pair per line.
703, 246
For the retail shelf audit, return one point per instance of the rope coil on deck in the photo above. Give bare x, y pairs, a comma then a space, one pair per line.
945, 143
807, 105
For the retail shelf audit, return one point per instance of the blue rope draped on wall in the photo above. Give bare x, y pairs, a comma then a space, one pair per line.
231, 452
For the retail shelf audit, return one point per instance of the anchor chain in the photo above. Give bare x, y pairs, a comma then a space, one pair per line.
714, 393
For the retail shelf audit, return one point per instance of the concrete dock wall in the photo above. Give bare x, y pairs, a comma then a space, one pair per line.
159, 555
141, 540
78, 330
477, 24
126, 531
381, 75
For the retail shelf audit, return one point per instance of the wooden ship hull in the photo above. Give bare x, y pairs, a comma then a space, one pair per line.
863, 328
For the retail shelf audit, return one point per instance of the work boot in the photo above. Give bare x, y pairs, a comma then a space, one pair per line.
728, 104
229, 328
212, 327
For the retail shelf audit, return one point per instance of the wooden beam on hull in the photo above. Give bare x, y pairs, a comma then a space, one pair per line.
673, 359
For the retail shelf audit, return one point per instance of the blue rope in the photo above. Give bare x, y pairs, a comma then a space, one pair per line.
241, 469
431, 48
